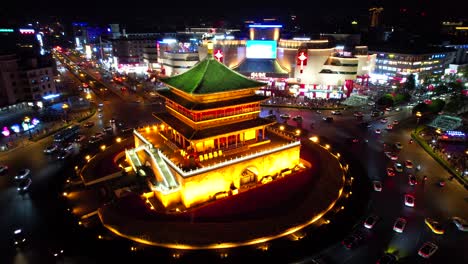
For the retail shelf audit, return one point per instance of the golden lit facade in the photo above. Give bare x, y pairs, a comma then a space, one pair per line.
210, 142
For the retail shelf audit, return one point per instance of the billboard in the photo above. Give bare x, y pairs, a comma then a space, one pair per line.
261, 49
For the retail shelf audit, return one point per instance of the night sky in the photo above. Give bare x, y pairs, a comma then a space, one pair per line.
314, 13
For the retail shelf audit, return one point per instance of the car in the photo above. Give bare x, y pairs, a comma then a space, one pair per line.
285, 116
427, 249
383, 120
351, 241
24, 184
19, 237
408, 164
399, 225
391, 155
51, 149
336, 112
62, 155
390, 172
387, 258
461, 224
112, 120
3, 168
375, 113
412, 180
68, 147
395, 122
398, 167
95, 139
99, 134
377, 186
297, 118
409, 200
370, 221
23, 173
389, 127
365, 125
441, 183
378, 131
126, 129
99, 109
88, 124
398, 145
80, 138
100, 115
327, 119
358, 114
435, 226
107, 129
371, 103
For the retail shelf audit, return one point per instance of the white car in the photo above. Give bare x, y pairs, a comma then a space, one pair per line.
383, 120
398, 167
427, 249
409, 200
377, 186
398, 145
461, 224
371, 221
378, 131
51, 149
23, 173
399, 225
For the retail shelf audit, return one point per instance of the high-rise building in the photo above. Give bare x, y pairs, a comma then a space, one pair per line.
375, 16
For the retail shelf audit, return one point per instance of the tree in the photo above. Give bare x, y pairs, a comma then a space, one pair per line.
421, 107
386, 100
410, 83
436, 106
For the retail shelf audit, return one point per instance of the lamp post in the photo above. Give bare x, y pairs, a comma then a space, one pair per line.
65, 108
27, 120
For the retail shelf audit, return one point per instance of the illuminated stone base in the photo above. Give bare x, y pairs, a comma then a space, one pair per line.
185, 234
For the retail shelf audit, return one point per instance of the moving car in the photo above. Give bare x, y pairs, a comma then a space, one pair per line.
297, 118
412, 180
18, 237
387, 258
358, 114
95, 139
24, 184
64, 155
398, 167
427, 249
126, 129
391, 155
80, 138
441, 183
390, 172
378, 131
371, 221
395, 122
409, 200
377, 186
50, 149
353, 240
88, 124
285, 116
461, 224
399, 225
23, 173
3, 168
327, 119
107, 129
398, 145
434, 225
383, 120
389, 127
68, 146
99, 134
336, 112
408, 164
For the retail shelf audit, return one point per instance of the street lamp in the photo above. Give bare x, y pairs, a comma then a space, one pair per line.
65, 108
27, 120
418, 115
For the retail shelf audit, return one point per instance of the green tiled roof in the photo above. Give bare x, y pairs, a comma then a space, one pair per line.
210, 76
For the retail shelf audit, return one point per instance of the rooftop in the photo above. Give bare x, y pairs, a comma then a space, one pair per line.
210, 76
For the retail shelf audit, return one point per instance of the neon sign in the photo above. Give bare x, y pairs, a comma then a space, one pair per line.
15, 128
6, 132
26, 31
302, 60
219, 55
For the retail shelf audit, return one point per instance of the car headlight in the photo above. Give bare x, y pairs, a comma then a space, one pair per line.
24, 188
19, 189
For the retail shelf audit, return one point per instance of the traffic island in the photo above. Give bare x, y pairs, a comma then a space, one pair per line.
271, 211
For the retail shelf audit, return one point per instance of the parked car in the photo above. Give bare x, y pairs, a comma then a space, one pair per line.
408, 164
95, 139
371, 221
80, 138
23, 173
24, 184
435, 226
50, 149
336, 112
409, 200
107, 129
399, 225
353, 240
327, 119
461, 224
62, 155
19, 237
68, 147
427, 249
99, 134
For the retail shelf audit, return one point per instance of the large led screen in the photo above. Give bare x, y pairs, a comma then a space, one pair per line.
261, 49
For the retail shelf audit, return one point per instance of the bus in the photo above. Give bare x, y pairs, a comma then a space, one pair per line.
67, 133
